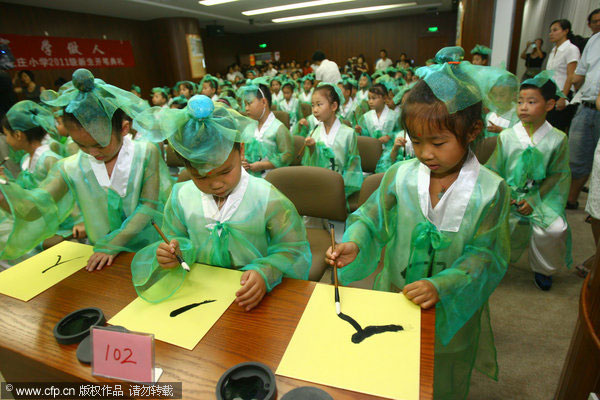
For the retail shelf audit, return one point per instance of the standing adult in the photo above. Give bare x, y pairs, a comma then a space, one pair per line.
384, 62
327, 71
585, 128
28, 87
534, 59
562, 60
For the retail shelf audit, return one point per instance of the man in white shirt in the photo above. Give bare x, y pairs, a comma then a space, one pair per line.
328, 71
383, 63
585, 127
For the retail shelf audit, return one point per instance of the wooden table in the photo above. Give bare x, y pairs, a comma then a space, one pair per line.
29, 352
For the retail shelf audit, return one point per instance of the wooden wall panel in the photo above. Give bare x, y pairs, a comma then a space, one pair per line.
25, 20
477, 24
339, 41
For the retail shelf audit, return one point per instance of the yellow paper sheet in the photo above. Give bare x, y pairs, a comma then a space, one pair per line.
386, 364
188, 328
27, 279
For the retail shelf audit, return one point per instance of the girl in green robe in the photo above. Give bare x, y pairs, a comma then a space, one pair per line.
271, 145
223, 216
113, 180
333, 144
442, 218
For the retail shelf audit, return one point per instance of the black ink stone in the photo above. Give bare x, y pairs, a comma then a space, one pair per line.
74, 327
247, 381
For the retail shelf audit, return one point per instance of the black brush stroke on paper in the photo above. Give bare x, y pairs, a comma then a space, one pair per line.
361, 334
59, 263
183, 309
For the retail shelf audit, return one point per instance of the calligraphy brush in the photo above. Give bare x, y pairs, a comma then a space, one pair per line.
179, 259
338, 308
5, 160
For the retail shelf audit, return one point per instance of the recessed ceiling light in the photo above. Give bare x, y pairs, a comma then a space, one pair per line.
215, 2
342, 12
294, 6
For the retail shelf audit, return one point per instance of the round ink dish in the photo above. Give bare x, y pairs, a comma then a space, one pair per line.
307, 393
249, 380
84, 350
74, 327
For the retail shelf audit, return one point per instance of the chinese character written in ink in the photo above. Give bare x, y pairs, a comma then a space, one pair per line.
46, 47
73, 48
97, 50
58, 262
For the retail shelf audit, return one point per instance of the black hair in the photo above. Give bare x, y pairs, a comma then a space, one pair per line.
28, 73
288, 83
228, 92
378, 89
35, 134
542, 40
187, 85
548, 90
483, 56
213, 83
422, 104
264, 92
330, 94
318, 56
116, 122
384, 50
564, 24
596, 11
347, 86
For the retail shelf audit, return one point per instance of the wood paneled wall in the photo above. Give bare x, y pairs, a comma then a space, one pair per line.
478, 21
25, 20
339, 41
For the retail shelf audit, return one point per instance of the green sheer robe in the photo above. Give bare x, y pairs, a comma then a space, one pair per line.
292, 108
386, 124
537, 171
337, 151
116, 210
464, 255
272, 142
301, 130
256, 229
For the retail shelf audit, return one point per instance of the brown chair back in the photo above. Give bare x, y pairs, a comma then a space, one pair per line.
298, 150
316, 192
172, 159
370, 151
369, 185
306, 109
283, 117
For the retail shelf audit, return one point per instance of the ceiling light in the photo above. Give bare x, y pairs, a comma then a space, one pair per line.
293, 6
214, 2
342, 12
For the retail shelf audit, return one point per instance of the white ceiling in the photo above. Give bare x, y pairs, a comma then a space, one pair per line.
230, 14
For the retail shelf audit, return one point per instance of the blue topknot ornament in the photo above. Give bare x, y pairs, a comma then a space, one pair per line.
200, 106
83, 80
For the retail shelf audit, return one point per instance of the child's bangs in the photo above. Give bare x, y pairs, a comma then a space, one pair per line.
421, 118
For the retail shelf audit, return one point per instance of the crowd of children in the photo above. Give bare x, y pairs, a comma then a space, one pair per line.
91, 166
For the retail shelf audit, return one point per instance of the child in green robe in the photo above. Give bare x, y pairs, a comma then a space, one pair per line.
442, 218
533, 157
223, 216
333, 144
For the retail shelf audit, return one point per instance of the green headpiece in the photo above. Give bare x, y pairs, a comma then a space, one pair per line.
203, 133
541, 79
482, 50
451, 84
162, 90
210, 78
181, 100
93, 103
402, 91
450, 54
27, 115
368, 78
137, 89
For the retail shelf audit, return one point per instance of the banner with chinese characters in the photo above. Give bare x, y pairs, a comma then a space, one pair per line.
46, 52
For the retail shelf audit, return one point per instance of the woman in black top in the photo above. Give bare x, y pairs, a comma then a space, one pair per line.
28, 87
533, 60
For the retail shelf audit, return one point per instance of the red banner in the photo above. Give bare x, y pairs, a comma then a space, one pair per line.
44, 52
